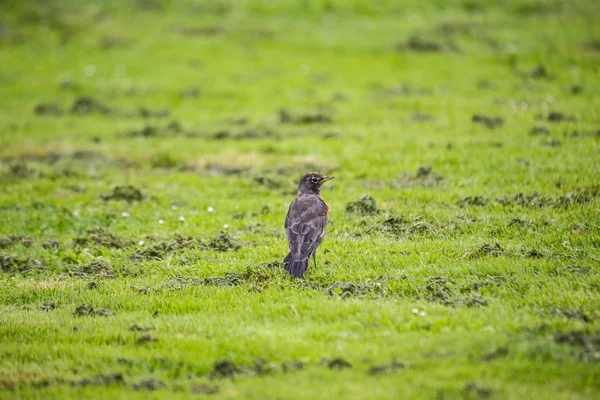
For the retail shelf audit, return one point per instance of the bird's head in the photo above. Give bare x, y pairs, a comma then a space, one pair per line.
311, 183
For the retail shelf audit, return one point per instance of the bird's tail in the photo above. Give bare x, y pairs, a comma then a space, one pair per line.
296, 268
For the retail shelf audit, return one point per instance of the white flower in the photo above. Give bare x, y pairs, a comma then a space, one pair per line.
160, 221
90, 71
181, 218
422, 313
141, 243
210, 209
125, 214
415, 310
76, 213
225, 226
173, 208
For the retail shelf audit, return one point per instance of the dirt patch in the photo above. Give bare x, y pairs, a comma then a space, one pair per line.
48, 109
145, 339
96, 269
535, 253
487, 121
570, 313
163, 248
382, 369
349, 289
272, 182
223, 242
21, 170
204, 388
441, 290
422, 117
191, 92
137, 328
244, 134
582, 134
473, 300
100, 237
225, 369
473, 390
536, 200
145, 132
486, 281
261, 367
424, 177
365, 205
551, 143
425, 173
10, 241
485, 84
149, 384
500, 352
85, 105
100, 380
486, 250
592, 45
582, 196
539, 131
338, 364
51, 245
571, 270
49, 306
304, 117
452, 28
557, 116
587, 344
400, 226
473, 201
229, 279
576, 89
438, 289
292, 366
60, 165
178, 283
172, 129
84, 310
540, 72
11, 264
200, 31
127, 193
419, 44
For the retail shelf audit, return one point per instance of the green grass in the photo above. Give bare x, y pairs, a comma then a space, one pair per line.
477, 277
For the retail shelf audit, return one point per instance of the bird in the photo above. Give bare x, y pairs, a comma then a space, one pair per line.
305, 224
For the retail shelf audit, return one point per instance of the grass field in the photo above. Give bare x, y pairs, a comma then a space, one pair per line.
149, 150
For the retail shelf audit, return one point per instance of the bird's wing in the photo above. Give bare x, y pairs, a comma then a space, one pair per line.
305, 225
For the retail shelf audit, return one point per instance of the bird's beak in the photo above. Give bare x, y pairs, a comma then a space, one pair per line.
326, 178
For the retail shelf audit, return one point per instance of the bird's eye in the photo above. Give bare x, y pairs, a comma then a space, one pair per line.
314, 179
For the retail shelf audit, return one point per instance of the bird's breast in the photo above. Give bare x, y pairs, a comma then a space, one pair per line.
325, 203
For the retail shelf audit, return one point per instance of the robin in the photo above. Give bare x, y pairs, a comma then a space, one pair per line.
305, 224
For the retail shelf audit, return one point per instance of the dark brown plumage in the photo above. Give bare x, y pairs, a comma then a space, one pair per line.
305, 223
